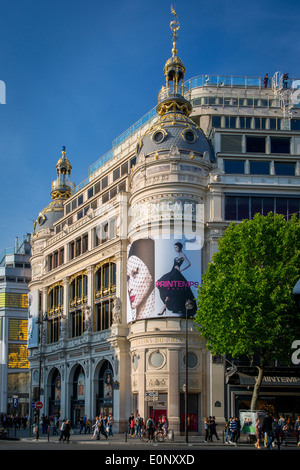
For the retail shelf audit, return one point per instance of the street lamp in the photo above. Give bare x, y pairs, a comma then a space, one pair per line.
40, 322
188, 306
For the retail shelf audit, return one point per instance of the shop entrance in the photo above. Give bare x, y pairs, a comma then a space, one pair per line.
192, 418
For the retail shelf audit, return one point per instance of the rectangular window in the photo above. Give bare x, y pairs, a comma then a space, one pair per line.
295, 124
68, 208
273, 124
85, 241
268, 205
216, 121
284, 169
230, 208
245, 122
105, 197
17, 330
281, 205
104, 182
113, 192
280, 145
255, 144
61, 256
90, 192
234, 166
256, 206
132, 162
74, 204
259, 167
116, 174
124, 169
72, 250
80, 200
231, 143
230, 122
122, 186
244, 207
18, 356
79, 215
97, 187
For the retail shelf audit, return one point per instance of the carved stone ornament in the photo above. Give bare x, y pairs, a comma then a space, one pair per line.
87, 319
117, 312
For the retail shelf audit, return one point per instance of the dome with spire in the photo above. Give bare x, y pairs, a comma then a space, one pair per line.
61, 190
174, 128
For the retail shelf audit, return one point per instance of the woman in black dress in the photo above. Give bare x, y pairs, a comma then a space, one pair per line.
173, 287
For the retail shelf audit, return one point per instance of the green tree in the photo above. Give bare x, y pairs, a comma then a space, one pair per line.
245, 301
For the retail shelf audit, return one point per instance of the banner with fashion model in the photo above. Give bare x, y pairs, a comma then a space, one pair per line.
33, 310
162, 275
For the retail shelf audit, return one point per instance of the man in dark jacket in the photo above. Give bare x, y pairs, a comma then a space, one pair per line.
267, 429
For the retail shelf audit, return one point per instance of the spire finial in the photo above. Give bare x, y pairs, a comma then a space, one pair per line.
174, 25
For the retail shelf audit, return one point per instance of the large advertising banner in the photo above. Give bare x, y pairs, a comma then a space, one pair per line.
33, 310
162, 275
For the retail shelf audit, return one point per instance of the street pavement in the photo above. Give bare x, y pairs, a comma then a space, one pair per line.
21, 439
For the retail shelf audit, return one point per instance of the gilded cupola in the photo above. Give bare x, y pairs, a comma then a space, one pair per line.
61, 190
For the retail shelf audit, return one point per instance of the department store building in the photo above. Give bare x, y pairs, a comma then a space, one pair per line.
116, 260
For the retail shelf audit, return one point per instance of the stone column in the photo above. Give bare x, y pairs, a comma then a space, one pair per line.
173, 391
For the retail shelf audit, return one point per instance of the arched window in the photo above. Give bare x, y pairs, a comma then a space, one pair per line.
78, 298
105, 287
105, 389
55, 309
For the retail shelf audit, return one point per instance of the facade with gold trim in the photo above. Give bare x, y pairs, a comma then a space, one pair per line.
225, 144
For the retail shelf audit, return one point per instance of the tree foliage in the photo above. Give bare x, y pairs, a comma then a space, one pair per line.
245, 302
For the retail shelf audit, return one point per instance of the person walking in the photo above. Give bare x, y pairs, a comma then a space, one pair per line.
101, 426
62, 430
227, 430
213, 430
150, 429
206, 428
267, 429
276, 433
266, 79
110, 423
233, 431
297, 430
138, 425
67, 431
131, 423
257, 433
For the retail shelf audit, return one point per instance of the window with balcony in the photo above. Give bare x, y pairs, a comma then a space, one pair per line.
55, 310
77, 300
105, 288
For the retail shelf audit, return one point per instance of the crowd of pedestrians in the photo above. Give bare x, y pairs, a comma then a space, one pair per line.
137, 426
273, 432
13, 422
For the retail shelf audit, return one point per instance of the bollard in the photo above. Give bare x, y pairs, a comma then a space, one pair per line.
125, 436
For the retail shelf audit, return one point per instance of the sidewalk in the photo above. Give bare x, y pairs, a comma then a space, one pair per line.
119, 438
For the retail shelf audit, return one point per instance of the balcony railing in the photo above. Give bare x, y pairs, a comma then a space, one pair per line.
174, 91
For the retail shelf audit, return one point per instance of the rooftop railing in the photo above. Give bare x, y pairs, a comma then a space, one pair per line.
218, 81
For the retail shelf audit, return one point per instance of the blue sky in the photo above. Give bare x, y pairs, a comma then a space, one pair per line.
79, 73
